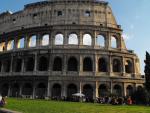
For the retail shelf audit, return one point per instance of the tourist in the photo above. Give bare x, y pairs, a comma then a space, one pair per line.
129, 101
2, 102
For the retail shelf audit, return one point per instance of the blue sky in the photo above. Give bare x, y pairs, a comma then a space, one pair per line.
132, 15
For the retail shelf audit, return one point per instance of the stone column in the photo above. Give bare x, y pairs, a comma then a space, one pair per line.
110, 69
11, 64
81, 64
108, 40
38, 40
64, 90
9, 91
23, 65
111, 87
26, 41
35, 63
97, 86
80, 39
123, 66
49, 89
65, 37
33, 93
124, 90
64, 67
94, 39
20, 90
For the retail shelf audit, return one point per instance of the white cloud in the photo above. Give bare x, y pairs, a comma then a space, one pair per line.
126, 37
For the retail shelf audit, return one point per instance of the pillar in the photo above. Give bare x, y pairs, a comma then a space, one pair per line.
35, 63
124, 90
111, 87
64, 90
123, 66
49, 89
64, 67
110, 70
97, 86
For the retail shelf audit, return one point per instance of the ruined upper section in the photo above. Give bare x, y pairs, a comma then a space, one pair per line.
59, 12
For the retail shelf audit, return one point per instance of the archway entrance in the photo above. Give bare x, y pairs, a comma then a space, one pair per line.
103, 90
15, 90
41, 91
71, 89
56, 91
88, 91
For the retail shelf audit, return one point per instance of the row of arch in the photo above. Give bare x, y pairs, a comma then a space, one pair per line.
73, 39
57, 64
56, 90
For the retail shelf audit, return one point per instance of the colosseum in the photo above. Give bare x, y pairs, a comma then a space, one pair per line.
56, 48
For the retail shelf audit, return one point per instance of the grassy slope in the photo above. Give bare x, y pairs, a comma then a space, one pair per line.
41, 106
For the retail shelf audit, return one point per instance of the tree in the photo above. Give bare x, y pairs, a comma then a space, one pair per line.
147, 71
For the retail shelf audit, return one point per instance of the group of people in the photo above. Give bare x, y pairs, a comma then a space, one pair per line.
115, 100
2, 101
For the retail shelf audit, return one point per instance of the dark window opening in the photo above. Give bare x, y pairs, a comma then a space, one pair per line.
30, 64
128, 67
87, 13
6, 66
57, 65
15, 90
59, 13
72, 64
117, 90
102, 65
116, 65
43, 64
41, 91
18, 65
103, 90
88, 91
56, 91
27, 89
87, 64
4, 89
71, 89
129, 90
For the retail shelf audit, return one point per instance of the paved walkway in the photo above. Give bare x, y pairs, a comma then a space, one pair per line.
3, 110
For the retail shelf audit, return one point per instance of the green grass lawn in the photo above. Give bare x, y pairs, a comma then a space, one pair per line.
42, 106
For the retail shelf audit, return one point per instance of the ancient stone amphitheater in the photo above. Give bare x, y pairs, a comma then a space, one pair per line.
56, 48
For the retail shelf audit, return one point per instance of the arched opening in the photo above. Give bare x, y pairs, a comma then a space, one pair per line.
128, 66
2, 46
87, 39
88, 91
100, 40
32, 41
6, 66
87, 64
18, 65
10, 45
41, 91
20, 43
30, 64
102, 65
73, 39
72, 64
117, 90
56, 91
43, 64
129, 90
57, 65
15, 90
139, 88
113, 42
71, 89
59, 39
4, 89
45, 40
116, 65
103, 90
27, 89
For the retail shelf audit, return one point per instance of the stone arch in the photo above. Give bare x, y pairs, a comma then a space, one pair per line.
88, 91
56, 91
27, 89
87, 39
18, 65
59, 39
4, 89
10, 45
102, 65
71, 89
30, 64
43, 63
117, 90
72, 64
87, 64
15, 90
45, 40
128, 66
2, 46
100, 40
116, 65
139, 88
41, 90
6, 65
129, 90
103, 90
20, 43
32, 41
114, 42
73, 39
57, 64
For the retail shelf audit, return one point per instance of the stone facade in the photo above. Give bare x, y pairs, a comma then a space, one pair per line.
59, 47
